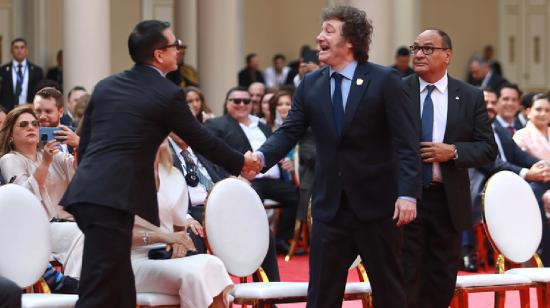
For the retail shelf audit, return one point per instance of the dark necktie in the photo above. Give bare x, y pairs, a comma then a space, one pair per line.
427, 132
19, 82
203, 180
511, 129
338, 102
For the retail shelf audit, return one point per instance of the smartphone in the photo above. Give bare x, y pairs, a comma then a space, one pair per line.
48, 133
311, 56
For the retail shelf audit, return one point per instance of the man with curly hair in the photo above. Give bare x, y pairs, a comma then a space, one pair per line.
367, 173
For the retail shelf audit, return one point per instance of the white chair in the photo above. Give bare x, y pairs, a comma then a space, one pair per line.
237, 231
25, 229
513, 226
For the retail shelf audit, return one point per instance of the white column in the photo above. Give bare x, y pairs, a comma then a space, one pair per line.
185, 27
40, 34
380, 13
87, 42
406, 22
220, 48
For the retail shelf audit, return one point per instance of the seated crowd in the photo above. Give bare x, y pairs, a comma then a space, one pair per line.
45, 164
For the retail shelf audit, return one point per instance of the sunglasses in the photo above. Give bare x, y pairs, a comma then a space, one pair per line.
178, 44
24, 124
238, 101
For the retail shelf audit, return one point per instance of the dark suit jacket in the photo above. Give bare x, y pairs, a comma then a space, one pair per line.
517, 125
129, 115
56, 74
374, 160
7, 91
246, 77
516, 159
469, 130
229, 130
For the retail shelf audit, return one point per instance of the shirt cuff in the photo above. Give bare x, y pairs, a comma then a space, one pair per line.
523, 173
407, 198
262, 158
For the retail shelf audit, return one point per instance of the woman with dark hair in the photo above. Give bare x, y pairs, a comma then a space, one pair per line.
279, 106
197, 104
46, 172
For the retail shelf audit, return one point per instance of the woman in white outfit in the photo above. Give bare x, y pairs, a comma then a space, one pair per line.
46, 173
199, 280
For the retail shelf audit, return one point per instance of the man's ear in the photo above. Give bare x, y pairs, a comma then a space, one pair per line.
61, 110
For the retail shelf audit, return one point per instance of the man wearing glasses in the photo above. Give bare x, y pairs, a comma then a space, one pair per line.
244, 132
128, 117
455, 136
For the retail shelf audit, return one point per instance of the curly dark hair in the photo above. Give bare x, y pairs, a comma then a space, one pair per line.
356, 28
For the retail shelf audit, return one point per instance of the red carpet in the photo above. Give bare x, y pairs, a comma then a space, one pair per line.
297, 270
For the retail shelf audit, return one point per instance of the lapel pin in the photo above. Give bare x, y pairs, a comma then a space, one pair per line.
359, 81
457, 98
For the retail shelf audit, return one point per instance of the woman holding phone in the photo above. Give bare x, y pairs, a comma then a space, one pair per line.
46, 172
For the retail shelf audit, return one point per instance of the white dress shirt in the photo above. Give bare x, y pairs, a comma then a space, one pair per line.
197, 194
22, 99
440, 99
256, 138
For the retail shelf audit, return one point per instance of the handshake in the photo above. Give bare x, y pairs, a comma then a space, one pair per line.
252, 165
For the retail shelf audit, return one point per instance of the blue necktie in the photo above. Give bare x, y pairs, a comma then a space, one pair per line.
19, 82
338, 102
427, 132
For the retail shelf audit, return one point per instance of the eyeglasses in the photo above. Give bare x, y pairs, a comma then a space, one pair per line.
178, 44
426, 50
24, 124
238, 101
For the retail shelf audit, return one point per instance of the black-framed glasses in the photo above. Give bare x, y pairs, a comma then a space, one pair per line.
24, 124
427, 49
238, 101
178, 44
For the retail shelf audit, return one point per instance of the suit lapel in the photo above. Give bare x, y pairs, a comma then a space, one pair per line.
453, 106
239, 130
414, 91
359, 85
9, 78
325, 99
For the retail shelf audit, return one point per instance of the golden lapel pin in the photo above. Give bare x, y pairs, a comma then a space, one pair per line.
359, 81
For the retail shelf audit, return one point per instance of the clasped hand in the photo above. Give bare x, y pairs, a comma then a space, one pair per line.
252, 165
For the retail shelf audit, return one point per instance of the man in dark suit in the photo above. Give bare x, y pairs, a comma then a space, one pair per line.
507, 108
244, 132
455, 135
19, 78
114, 180
511, 158
367, 168
483, 76
251, 73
